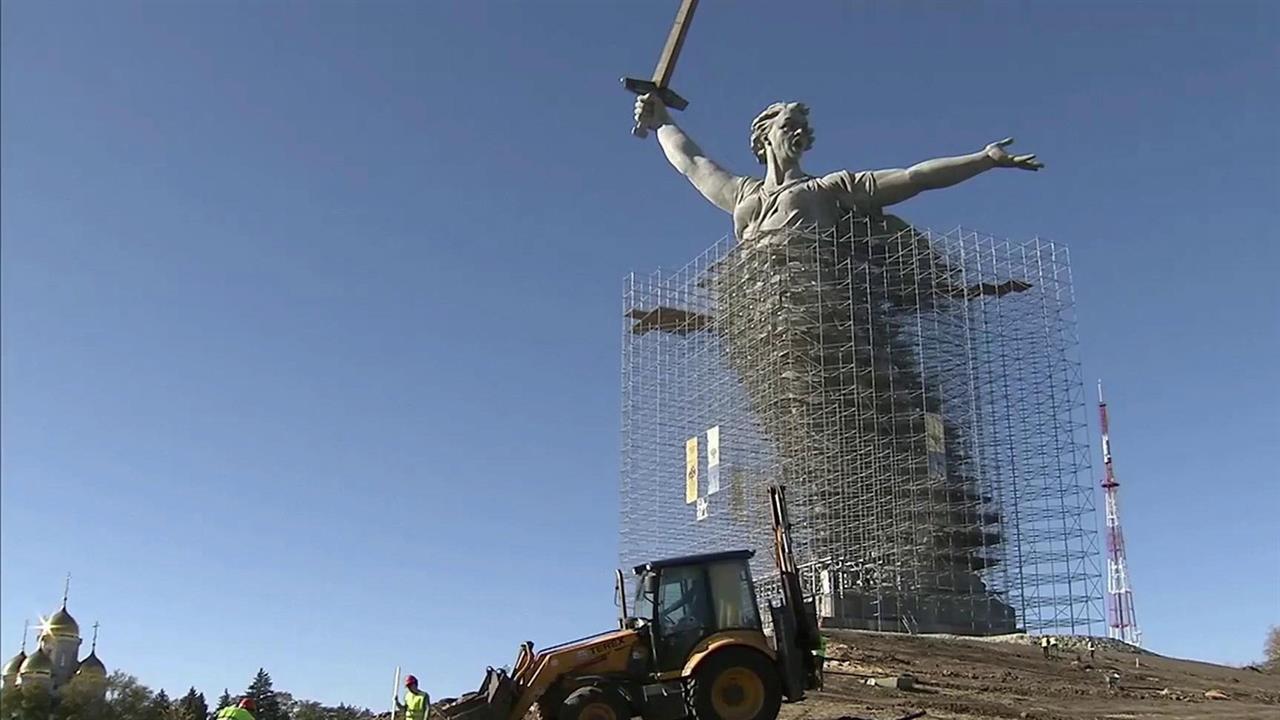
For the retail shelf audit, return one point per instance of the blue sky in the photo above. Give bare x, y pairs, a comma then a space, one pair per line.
310, 310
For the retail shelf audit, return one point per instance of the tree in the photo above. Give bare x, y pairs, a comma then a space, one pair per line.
192, 706
1271, 650
10, 700
311, 710
127, 699
14, 703
223, 700
264, 697
158, 707
308, 710
82, 699
350, 712
36, 704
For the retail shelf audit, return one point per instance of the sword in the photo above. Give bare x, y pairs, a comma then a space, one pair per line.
660, 84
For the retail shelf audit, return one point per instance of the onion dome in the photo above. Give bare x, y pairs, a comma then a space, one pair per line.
62, 624
37, 663
92, 667
12, 667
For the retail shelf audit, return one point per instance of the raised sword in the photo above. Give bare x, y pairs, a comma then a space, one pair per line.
660, 85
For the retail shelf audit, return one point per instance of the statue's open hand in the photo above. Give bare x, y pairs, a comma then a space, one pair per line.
651, 112
996, 151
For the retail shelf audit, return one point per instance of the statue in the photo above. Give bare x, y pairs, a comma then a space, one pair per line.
856, 415
789, 197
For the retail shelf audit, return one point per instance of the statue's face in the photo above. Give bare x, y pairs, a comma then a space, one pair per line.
788, 137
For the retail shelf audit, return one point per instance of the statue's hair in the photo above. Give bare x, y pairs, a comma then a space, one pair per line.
760, 126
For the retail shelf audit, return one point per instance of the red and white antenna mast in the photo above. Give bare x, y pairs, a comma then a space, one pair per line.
1122, 623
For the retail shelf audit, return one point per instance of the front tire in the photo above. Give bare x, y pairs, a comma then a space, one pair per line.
594, 702
736, 684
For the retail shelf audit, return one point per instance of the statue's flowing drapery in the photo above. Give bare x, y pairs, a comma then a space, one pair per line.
833, 336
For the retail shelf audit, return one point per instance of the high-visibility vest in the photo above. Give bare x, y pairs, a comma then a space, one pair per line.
231, 712
415, 705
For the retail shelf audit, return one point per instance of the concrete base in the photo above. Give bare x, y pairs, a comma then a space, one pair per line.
891, 612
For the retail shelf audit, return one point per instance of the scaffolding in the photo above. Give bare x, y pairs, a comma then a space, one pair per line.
919, 395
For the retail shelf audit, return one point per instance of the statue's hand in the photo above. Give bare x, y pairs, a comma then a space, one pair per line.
996, 151
651, 113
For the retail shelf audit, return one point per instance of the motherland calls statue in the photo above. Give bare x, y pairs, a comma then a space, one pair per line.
789, 197
814, 308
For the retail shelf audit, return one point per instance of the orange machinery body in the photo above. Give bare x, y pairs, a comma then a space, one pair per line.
567, 666
638, 679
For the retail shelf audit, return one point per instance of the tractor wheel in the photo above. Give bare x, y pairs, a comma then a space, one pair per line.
594, 702
736, 684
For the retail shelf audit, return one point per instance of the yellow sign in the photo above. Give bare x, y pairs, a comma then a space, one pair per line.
691, 470
935, 446
934, 433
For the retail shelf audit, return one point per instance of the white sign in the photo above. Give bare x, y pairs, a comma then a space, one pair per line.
713, 460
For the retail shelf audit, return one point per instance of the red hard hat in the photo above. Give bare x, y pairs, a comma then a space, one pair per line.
410, 680
247, 703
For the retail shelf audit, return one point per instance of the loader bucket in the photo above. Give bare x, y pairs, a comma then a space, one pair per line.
492, 701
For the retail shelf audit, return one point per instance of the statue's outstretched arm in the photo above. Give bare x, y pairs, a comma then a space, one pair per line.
895, 185
714, 182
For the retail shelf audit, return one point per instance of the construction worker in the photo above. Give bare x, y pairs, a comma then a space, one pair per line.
241, 711
1044, 646
1091, 648
820, 656
1053, 646
417, 704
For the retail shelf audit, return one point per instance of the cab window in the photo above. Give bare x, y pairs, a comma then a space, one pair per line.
682, 601
643, 606
733, 596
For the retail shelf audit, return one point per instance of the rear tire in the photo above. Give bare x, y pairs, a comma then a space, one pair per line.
736, 683
595, 702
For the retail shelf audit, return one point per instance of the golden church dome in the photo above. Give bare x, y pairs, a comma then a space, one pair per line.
62, 624
92, 666
37, 663
11, 667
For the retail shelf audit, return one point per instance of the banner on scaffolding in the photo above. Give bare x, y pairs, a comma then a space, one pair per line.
713, 460
691, 470
935, 446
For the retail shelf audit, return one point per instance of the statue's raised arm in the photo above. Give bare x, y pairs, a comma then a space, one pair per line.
714, 182
895, 185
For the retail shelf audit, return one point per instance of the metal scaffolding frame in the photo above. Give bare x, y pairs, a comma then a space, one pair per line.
917, 392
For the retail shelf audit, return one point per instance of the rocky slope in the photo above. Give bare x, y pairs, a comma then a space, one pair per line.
1008, 677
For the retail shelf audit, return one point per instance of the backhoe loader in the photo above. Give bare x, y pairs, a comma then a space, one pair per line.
692, 645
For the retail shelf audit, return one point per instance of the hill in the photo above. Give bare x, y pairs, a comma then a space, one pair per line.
963, 678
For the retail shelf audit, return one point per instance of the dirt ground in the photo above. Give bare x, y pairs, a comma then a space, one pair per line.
965, 678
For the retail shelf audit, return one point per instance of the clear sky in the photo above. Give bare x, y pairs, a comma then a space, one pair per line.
311, 324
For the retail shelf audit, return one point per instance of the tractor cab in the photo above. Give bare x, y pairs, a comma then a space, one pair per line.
687, 601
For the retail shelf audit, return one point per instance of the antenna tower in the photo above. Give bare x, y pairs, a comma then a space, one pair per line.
1122, 622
